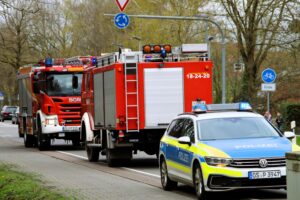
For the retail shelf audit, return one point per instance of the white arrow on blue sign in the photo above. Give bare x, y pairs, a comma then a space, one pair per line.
268, 75
121, 20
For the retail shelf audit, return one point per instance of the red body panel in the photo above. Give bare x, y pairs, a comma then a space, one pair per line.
197, 84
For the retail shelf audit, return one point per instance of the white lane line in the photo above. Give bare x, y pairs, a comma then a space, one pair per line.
141, 172
74, 155
129, 169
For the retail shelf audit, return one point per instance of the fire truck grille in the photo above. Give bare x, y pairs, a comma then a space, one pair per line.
250, 163
69, 114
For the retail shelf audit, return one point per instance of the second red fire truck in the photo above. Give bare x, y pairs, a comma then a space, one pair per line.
129, 98
50, 102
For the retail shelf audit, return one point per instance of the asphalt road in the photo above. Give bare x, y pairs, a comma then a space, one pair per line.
68, 170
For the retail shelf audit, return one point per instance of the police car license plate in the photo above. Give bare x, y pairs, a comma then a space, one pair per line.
70, 128
264, 174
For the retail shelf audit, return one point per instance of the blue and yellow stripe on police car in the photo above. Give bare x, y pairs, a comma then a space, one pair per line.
295, 147
198, 151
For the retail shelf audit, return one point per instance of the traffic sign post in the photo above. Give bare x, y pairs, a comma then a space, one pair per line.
268, 76
121, 20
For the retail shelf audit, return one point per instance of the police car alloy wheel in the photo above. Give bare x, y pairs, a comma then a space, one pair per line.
198, 183
166, 182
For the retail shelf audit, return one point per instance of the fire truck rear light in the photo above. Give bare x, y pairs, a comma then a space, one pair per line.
206, 67
121, 134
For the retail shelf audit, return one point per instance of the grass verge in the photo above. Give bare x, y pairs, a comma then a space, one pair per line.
16, 185
298, 139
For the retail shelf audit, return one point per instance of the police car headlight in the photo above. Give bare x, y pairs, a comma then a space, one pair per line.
219, 162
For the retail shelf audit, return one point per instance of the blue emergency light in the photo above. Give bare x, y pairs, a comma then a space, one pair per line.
94, 61
245, 106
48, 62
241, 106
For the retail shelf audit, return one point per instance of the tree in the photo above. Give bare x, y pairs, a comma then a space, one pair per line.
258, 26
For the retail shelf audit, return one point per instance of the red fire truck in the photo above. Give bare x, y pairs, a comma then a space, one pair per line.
50, 102
129, 98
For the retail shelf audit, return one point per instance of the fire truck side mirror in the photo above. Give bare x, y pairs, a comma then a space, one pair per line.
75, 82
36, 88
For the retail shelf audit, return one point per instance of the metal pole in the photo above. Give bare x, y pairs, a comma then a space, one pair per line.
268, 101
200, 19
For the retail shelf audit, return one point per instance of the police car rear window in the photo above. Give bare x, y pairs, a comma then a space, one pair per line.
234, 128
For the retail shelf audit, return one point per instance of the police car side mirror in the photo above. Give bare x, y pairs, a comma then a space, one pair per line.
289, 134
184, 140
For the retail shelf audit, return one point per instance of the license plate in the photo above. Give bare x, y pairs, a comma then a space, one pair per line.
264, 174
61, 135
70, 128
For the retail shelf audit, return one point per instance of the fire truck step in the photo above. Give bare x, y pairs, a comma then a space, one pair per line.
130, 67
94, 145
132, 118
131, 92
130, 131
132, 105
134, 80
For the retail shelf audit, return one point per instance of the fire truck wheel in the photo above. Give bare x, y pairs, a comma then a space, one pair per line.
110, 161
28, 140
43, 143
92, 153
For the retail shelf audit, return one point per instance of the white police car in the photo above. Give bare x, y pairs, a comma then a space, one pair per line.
223, 148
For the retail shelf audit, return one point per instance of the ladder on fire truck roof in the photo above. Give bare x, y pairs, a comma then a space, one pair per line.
131, 60
77, 60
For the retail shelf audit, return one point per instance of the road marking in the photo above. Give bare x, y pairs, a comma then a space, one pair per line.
129, 169
74, 155
141, 172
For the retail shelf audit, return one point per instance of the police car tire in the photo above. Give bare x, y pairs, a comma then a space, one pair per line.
166, 182
198, 182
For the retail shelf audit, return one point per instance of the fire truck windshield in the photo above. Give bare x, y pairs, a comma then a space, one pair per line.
62, 84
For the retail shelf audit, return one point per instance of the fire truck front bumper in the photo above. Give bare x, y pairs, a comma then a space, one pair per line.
49, 129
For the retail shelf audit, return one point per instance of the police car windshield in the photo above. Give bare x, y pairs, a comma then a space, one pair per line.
234, 128
61, 84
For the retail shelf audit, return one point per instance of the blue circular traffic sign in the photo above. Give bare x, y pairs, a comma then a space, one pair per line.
121, 20
268, 75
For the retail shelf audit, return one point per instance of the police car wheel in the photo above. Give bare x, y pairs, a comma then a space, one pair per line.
166, 182
198, 182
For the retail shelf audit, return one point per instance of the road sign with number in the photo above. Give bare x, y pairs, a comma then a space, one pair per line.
122, 4
121, 20
268, 75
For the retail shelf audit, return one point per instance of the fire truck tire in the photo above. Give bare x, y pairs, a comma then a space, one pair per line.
110, 161
92, 153
42, 143
28, 140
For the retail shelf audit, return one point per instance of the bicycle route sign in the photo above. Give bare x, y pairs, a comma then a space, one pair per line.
268, 75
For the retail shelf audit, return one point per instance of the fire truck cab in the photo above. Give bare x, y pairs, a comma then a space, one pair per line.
50, 102
130, 97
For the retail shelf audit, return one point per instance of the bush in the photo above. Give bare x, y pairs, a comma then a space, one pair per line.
290, 112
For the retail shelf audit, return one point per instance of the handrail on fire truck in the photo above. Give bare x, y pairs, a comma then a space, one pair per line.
78, 60
157, 53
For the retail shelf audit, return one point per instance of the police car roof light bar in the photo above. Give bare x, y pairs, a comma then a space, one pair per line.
242, 106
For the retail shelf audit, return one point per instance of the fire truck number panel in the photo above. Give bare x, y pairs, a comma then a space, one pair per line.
163, 95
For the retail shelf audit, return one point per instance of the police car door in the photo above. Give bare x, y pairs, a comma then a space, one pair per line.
174, 132
184, 153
